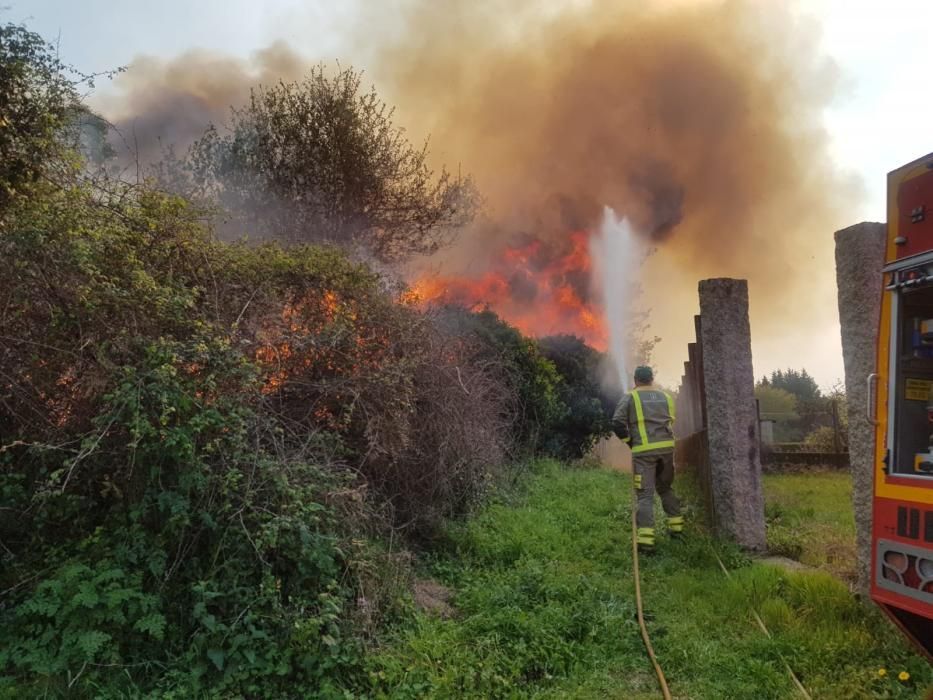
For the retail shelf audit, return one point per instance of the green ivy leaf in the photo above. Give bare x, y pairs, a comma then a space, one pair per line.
86, 596
92, 641
217, 657
153, 624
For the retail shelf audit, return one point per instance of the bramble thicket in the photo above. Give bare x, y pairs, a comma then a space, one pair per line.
217, 452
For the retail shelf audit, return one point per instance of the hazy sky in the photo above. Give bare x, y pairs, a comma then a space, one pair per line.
879, 121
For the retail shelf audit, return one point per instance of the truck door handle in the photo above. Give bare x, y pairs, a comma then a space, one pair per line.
870, 407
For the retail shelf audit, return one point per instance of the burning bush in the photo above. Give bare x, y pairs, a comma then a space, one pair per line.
153, 507
197, 440
424, 415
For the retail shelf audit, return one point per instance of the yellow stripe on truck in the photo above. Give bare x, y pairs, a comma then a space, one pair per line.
921, 492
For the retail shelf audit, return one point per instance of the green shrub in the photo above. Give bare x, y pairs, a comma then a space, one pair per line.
783, 532
532, 376
79, 615
824, 439
200, 552
587, 419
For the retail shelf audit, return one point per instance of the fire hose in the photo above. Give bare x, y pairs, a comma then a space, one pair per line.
662, 681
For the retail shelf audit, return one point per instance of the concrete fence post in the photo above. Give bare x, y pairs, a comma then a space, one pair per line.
731, 415
859, 259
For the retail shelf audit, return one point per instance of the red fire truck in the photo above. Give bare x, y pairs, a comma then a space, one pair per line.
901, 406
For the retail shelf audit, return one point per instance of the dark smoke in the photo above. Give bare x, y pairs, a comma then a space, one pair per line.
168, 104
660, 198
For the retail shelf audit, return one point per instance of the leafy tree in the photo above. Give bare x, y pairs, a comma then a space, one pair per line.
811, 410
797, 382
776, 404
36, 102
321, 161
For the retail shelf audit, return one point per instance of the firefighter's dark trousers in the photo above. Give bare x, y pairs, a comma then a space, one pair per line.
655, 472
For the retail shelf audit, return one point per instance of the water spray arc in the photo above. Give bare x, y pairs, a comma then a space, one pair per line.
617, 253
616, 256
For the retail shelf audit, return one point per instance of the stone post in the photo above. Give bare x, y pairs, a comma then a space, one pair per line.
731, 418
859, 259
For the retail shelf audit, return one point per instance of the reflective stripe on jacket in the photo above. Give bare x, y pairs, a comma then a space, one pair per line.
645, 420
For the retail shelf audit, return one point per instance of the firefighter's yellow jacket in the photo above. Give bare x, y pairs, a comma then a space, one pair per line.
645, 420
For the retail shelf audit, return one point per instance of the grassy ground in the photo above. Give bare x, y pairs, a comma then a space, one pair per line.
810, 519
545, 609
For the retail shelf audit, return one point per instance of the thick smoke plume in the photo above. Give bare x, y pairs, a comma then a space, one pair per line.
702, 117
168, 104
699, 121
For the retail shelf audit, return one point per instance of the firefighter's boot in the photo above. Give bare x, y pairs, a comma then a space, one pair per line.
645, 539
675, 526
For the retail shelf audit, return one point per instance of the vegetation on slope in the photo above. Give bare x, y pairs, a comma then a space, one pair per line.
545, 608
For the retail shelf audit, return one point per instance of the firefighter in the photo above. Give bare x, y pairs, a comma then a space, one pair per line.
644, 419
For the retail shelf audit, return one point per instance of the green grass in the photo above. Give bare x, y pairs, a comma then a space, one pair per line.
810, 519
545, 609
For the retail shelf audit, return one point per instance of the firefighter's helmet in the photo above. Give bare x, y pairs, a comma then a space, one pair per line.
644, 375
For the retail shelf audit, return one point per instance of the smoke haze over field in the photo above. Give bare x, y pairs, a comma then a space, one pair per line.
700, 121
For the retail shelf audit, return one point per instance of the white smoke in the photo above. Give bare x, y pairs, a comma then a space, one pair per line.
617, 256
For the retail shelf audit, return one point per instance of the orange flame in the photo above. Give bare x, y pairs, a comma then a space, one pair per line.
538, 292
